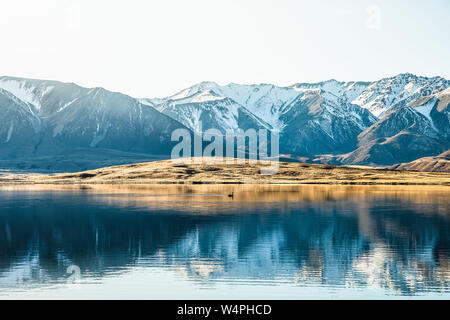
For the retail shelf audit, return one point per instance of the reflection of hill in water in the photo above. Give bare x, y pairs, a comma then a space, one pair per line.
358, 239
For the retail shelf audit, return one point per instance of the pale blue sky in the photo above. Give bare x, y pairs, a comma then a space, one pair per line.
154, 48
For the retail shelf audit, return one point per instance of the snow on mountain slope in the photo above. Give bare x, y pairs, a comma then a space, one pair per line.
338, 91
420, 129
212, 112
151, 102
304, 114
29, 91
314, 124
17, 110
329, 117
20, 125
395, 92
436, 109
264, 101
100, 118
379, 96
318, 117
269, 102
201, 87
55, 117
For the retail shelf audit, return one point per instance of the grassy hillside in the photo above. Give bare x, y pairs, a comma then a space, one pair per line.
168, 172
440, 163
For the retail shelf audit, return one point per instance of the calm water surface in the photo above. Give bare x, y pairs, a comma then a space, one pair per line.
179, 242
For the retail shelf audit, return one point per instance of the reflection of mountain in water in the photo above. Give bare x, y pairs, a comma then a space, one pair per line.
400, 246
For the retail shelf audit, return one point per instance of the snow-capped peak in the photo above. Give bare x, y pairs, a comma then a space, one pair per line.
208, 95
382, 95
269, 102
26, 90
203, 86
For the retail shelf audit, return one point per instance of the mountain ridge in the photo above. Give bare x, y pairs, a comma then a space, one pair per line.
383, 122
73, 117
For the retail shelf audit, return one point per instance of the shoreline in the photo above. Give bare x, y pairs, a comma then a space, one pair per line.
190, 183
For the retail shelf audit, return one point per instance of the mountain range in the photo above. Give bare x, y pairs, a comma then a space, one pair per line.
381, 123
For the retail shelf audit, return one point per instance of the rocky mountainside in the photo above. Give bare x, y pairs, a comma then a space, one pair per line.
310, 121
392, 120
418, 129
42, 118
206, 110
385, 122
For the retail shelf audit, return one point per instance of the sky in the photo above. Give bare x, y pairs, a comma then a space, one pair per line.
156, 48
